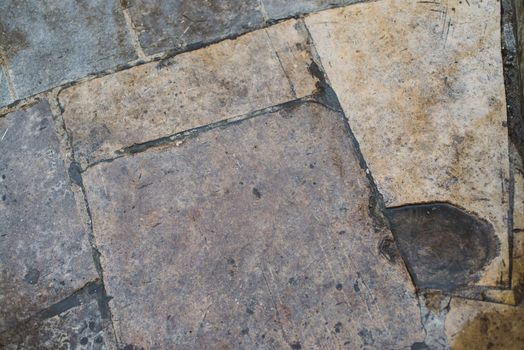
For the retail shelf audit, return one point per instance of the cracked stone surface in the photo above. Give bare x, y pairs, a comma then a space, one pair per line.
4, 91
178, 24
474, 324
47, 43
75, 323
191, 90
44, 253
421, 84
277, 9
257, 235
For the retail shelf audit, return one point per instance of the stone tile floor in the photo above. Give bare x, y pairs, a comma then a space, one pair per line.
261, 174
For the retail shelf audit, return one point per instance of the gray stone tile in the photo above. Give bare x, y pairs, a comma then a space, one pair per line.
225, 80
257, 235
76, 322
47, 43
277, 9
424, 94
181, 24
5, 99
44, 251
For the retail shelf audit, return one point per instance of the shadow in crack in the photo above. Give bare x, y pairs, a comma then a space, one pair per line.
443, 246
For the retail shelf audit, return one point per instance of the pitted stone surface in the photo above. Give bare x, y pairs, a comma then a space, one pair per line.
422, 86
44, 252
5, 99
47, 43
257, 235
277, 9
190, 90
75, 323
181, 24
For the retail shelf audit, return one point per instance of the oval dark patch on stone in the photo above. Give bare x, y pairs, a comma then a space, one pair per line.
443, 246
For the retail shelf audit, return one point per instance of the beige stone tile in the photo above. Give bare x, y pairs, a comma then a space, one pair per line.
193, 89
518, 208
253, 236
421, 84
479, 325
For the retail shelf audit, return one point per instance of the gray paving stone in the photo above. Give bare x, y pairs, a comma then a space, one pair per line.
48, 42
44, 252
277, 9
5, 99
257, 235
257, 70
182, 24
77, 323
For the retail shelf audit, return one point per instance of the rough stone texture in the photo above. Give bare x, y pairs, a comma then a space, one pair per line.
518, 266
479, 325
75, 323
5, 99
257, 235
182, 24
47, 43
44, 253
518, 209
277, 9
422, 86
191, 90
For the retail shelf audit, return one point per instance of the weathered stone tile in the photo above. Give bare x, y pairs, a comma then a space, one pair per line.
47, 43
421, 84
518, 266
277, 9
479, 325
74, 323
44, 253
5, 99
182, 24
518, 208
147, 102
253, 236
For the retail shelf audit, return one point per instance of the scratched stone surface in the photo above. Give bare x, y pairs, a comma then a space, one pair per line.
155, 100
44, 252
422, 86
47, 43
258, 235
277, 9
76, 322
5, 99
182, 24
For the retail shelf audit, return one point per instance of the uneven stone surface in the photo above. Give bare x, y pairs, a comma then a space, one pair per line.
181, 24
47, 43
479, 325
277, 9
257, 235
518, 209
421, 84
191, 90
44, 253
5, 99
518, 266
75, 323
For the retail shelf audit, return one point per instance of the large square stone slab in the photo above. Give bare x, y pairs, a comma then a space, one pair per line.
421, 84
47, 43
181, 24
258, 235
225, 80
44, 251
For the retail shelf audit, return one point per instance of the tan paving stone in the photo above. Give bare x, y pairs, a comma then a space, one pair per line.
257, 235
44, 250
479, 325
421, 84
193, 89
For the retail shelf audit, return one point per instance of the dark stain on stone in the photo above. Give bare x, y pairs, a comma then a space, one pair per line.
419, 346
339, 286
11, 41
74, 173
249, 311
32, 276
443, 246
366, 336
338, 327
131, 347
356, 287
388, 249
84, 341
493, 329
244, 331
296, 345
257, 193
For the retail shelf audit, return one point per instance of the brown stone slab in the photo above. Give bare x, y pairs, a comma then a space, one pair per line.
257, 235
155, 100
422, 86
44, 251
